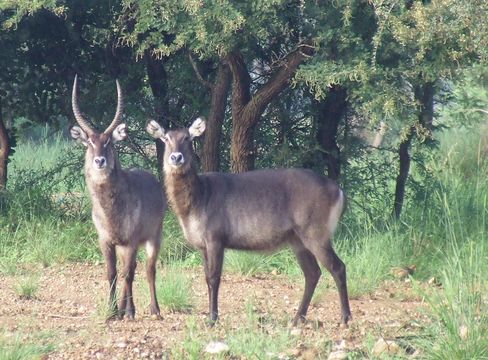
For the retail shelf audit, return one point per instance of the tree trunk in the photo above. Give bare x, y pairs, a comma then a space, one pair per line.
213, 132
158, 80
247, 109
329, 112
403, 152
4, 151
424, 94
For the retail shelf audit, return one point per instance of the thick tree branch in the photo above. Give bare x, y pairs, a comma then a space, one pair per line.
216, 116
280, 80
4, 151
241, 92
200, 78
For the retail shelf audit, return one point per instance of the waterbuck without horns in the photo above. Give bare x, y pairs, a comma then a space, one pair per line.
255, 210
128, 206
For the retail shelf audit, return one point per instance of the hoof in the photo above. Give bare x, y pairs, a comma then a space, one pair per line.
130, 315
155, 312
111, 317
156, 317
212, 322
345, 319
298, 320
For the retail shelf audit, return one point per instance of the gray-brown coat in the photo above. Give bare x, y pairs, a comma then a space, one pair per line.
128, 207
256, 210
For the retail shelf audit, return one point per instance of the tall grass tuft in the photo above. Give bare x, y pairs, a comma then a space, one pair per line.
460, 309
174, 291
459, 252
27, 287
46, 242
18, 349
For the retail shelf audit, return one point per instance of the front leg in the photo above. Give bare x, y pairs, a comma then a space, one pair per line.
213, 255
126, 305
108, 252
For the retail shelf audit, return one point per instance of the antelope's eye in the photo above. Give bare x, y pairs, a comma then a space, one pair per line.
186, 138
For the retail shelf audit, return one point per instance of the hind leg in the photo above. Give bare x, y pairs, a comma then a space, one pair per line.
311, 271
152, 250
329, 259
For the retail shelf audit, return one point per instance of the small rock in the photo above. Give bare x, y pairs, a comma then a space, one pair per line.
295, 352
463, 332
309, 354
341, 345
388, 347
337, 355
121, 345
401, 272
296, 332
416, 354
216, 347
434, 281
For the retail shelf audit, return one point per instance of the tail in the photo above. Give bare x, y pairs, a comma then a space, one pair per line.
335, 213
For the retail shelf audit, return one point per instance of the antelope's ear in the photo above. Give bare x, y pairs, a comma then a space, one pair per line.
197, 128
120, 133
79, 135
155, 130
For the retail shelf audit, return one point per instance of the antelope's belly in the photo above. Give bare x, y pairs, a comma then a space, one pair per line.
194, 231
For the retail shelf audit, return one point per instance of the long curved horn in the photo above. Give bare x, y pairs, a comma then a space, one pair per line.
76, 110
118, 113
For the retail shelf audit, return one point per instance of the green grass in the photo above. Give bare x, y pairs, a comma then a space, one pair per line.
256, 337
251, 263
174, 291
45, 242
105, 309
260, 336
40, 149
27, 287
175, 248
15, 348
459, 310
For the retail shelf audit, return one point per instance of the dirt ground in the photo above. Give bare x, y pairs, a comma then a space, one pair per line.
65, 311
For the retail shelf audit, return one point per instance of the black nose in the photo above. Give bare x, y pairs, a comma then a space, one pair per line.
100, 161
176, 157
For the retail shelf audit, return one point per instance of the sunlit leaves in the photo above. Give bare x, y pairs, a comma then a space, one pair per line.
15, 10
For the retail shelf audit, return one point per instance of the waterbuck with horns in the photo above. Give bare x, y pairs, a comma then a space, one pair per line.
128, 206
256, 210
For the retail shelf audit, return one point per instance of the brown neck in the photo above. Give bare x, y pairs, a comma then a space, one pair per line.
183, 190
106, 189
